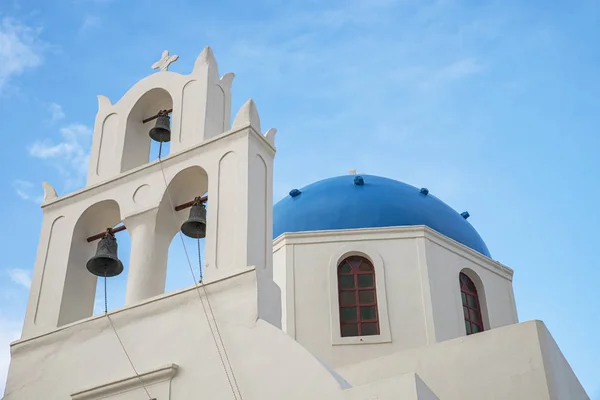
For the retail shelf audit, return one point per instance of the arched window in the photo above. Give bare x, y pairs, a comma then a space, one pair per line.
357, 297
471, 305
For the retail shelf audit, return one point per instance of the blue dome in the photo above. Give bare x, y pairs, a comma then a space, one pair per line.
367, 201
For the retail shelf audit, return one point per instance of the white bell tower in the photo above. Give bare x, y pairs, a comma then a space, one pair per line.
232, 165
217, 339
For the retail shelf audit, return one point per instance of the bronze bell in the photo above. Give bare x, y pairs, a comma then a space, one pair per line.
195, 226
162, 129
105, 262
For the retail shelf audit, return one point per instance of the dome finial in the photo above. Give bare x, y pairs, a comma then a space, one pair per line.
358, 180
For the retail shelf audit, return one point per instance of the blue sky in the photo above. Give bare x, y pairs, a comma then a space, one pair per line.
492, 105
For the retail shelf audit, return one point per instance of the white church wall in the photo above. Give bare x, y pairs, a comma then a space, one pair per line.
562, 381
157, 382
406, 387
312, 302
445, 261
281, 270
85, 357
509, 363
418, 294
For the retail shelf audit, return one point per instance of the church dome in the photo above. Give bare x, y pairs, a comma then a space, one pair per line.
367, 201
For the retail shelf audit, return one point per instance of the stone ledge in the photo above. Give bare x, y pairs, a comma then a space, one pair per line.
157, 375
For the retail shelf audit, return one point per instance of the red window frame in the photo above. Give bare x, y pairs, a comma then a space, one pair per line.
355, 294
470, 305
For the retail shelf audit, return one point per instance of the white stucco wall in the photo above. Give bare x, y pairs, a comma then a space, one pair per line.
406, 387
511, 362
170, 330
417, 288
563, 384
493, 282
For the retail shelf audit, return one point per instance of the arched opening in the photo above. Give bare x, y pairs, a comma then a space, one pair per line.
473, 302
139, 149
357, 297
178, 269
79, 294
187, 185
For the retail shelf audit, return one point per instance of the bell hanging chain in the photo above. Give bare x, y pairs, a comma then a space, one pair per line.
103, 234
183, 206
152, 118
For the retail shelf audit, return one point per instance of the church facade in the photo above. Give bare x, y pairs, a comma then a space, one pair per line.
356, 287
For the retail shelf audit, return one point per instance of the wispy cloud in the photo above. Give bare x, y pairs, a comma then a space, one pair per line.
386, 73
24, 190
20, 276
452, 72
69, 156
90, 22
370, 49
56, 112
20, 49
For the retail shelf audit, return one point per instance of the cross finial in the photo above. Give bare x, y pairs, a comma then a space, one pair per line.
165, 61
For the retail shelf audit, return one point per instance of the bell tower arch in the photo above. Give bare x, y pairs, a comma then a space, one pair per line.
230, 167
201, 109
136, 141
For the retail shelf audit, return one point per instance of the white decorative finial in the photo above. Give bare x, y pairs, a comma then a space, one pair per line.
49, 192
103, 103
247, 116
225, 81
165, 61
270, 136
